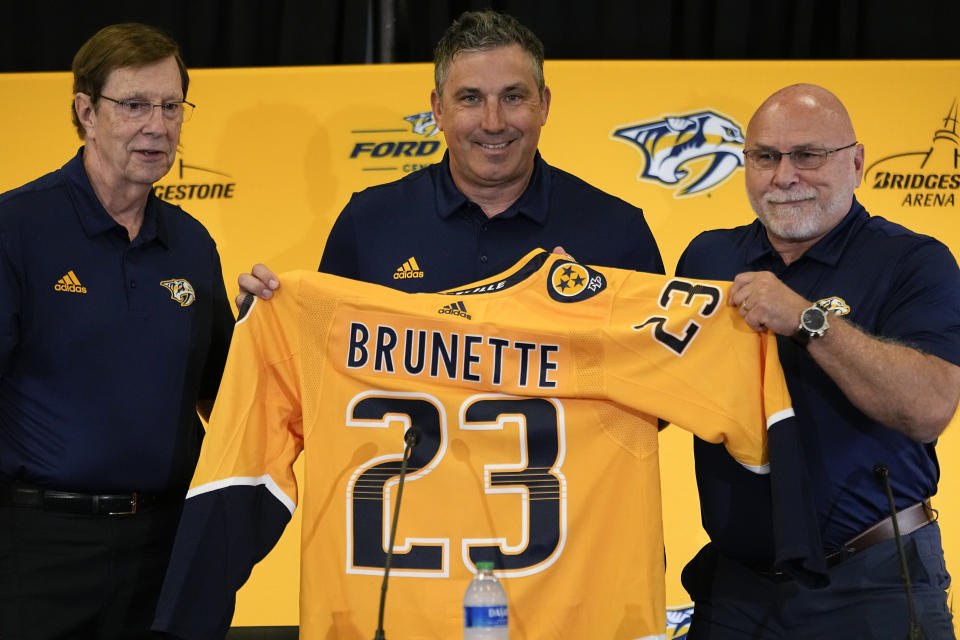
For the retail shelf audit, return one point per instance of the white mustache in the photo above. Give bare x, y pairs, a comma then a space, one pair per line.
784, 197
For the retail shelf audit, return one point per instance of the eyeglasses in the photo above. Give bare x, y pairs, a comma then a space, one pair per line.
141, 109
802, 158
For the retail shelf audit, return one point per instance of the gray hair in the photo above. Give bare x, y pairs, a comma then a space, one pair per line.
481, 31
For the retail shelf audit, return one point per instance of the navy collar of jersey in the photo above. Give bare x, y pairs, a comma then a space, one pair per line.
94, 218
532, 203
827, 251
518, 273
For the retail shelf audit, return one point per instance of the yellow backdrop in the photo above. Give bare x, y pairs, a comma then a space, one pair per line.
271, 156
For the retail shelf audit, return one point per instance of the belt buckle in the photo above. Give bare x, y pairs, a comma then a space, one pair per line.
131, 511
836, 557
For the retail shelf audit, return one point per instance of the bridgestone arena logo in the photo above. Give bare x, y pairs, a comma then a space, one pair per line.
923, 177
213, 190
194, 191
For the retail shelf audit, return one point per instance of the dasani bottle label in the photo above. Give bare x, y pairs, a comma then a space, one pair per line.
485, 616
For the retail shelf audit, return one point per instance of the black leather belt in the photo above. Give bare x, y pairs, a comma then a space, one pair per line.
103, 504
908, 520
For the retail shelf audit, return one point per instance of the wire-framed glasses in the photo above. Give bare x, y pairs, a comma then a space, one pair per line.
179, 111
802, 157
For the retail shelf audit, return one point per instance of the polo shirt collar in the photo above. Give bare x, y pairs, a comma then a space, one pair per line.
532, 203
827, 251
94, 218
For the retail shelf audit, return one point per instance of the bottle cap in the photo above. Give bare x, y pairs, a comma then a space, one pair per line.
485, 565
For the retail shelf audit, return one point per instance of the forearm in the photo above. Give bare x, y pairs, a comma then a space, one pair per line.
902, 388
898, 386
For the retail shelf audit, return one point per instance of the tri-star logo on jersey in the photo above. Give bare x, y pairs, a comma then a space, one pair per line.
180, 290
570, 279
834, 305
572, 282
922, 177
674, 146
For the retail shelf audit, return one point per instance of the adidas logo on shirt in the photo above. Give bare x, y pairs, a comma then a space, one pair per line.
409, 269
455, 309
70, 283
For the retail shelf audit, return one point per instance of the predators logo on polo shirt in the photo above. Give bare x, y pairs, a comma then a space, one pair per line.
834, 305
180, 290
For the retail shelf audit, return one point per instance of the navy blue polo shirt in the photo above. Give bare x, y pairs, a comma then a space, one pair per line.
896, 284
106, 345
420, 234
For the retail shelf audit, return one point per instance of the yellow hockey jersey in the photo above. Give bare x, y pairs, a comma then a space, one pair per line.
533, 392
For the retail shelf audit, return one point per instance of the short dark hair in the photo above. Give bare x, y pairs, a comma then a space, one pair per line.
120, 45
480, 31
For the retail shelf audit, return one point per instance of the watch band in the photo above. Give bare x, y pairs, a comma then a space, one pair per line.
801, 337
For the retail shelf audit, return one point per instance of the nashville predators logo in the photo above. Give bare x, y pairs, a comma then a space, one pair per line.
672, 146
423, 124
834, 305
181, 291
678, 622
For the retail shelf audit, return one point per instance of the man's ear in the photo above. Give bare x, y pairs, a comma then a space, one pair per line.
435, 107
86, 114
545, 99
858, 155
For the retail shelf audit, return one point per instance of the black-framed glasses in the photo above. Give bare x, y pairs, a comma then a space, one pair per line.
179, 111
802, 157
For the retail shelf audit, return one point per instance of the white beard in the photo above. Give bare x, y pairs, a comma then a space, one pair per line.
802, 220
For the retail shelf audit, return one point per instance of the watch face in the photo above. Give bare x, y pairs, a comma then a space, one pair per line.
813, 319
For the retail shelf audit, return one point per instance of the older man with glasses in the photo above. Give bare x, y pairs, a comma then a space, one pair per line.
868, 318
114, 328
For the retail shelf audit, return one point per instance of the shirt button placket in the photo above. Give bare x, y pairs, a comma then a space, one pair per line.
483, 252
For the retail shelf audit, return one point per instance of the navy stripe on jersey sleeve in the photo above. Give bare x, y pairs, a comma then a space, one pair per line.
222, 534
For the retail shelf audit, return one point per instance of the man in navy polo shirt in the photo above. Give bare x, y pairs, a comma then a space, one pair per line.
868, 315
114, 328
492, 198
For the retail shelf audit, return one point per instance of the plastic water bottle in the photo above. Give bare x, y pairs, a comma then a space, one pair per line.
485, 606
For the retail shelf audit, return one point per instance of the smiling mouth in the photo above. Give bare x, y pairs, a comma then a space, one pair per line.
493, 147
790, 200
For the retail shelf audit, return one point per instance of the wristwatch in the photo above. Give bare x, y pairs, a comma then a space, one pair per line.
813, 324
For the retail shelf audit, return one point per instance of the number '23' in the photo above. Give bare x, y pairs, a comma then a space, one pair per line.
709, 298
537, 479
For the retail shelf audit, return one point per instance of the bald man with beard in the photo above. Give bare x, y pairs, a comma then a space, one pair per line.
867, 315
